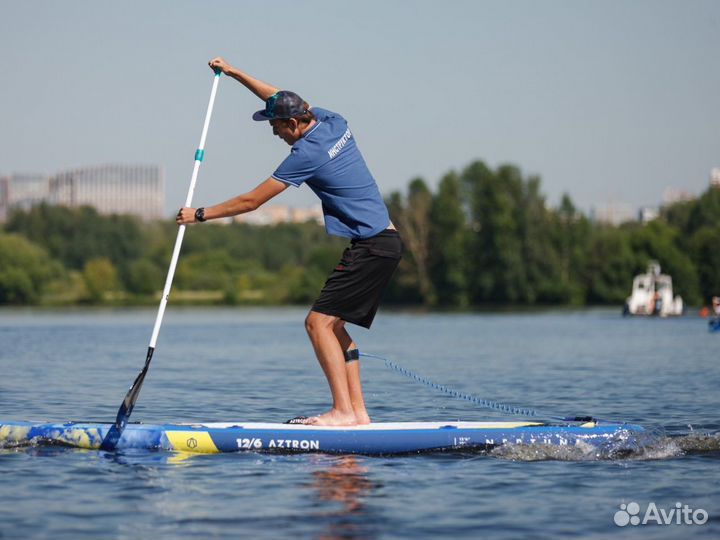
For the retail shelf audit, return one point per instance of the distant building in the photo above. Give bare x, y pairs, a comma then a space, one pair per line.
613, 213
675, 195
111, 189
301, 215
268, 214
715, 177
275, 213
22, 190
647, 214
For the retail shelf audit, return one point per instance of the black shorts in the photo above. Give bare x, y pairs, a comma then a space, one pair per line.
354, 289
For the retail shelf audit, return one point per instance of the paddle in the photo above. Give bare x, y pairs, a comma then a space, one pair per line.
116, 430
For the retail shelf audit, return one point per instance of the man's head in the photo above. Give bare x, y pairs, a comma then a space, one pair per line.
288, 115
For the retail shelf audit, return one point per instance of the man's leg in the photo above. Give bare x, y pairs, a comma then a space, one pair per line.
320, 329
352, 369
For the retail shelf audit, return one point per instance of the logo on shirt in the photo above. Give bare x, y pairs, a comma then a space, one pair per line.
335, 150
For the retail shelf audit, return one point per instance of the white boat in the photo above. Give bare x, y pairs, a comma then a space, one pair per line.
652, 294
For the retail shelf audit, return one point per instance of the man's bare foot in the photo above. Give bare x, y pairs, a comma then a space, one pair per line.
332, 418
362, 418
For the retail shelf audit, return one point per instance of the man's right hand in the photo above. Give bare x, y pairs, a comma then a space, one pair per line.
260, 89
219, 63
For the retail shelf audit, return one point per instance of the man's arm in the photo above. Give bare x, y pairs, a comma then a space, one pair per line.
241, 204
261, 89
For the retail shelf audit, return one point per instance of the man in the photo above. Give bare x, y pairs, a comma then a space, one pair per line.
324, 155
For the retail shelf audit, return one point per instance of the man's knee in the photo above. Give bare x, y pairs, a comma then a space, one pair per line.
316, 323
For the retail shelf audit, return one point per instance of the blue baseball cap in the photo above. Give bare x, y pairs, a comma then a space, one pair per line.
281, 105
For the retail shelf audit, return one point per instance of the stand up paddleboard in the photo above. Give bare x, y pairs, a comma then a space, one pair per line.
373, 439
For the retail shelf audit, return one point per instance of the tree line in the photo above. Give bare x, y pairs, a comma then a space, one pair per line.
485, 237
488, 237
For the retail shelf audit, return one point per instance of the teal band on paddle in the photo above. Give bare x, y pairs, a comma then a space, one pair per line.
217, 71
199, 154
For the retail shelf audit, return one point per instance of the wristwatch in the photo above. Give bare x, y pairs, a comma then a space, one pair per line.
200, 214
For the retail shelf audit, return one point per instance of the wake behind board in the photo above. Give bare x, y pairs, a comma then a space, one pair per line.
373, 439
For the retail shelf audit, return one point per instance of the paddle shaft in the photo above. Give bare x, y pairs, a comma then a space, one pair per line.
115, 432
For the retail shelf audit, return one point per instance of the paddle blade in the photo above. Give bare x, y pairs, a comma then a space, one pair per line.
116, 430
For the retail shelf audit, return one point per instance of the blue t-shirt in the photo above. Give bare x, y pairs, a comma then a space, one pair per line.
328, 160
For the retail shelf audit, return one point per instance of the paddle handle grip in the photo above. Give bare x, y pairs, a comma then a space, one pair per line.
199, 155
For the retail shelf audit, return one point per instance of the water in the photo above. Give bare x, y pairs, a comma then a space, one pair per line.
257, 365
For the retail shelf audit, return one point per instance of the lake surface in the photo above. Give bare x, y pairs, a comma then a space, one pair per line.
257, 365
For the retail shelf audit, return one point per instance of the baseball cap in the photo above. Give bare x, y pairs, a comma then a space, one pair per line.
281, 105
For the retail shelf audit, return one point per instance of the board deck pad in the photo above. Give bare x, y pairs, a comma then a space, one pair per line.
382, 438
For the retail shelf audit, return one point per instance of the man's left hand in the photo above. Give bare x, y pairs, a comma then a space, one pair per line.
185, 216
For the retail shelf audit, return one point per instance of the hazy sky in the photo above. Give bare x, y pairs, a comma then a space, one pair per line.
605, 100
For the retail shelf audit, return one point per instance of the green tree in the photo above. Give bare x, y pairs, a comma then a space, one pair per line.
570, 231
305, 285
448, 240
705, 251
100, 277
25, 270
207, 271
497, 271
610, 266
144, 277
706, 211
75, 236
541, 257
678, 214
412, 215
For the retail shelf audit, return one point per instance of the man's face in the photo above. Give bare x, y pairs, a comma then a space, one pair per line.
287, 130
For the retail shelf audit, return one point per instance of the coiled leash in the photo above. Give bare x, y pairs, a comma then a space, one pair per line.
354, 354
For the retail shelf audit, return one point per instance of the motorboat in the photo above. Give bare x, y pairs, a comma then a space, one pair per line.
652, 294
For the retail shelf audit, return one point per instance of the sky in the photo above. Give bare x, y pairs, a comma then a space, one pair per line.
608, 101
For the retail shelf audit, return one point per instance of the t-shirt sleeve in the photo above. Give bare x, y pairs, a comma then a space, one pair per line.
295, 169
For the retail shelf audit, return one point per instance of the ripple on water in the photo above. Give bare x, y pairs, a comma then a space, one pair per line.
646, 448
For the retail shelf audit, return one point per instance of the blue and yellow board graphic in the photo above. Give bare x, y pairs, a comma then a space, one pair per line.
373, 439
